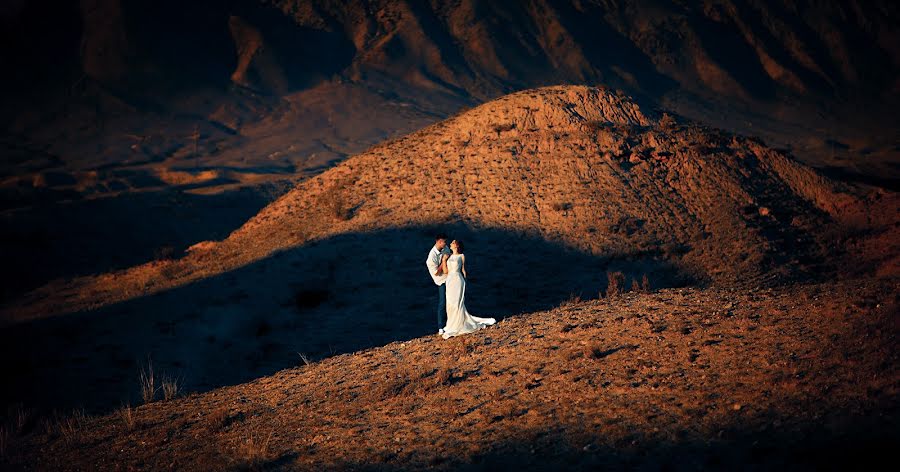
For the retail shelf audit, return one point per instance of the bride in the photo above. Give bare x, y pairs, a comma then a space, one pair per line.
459, 320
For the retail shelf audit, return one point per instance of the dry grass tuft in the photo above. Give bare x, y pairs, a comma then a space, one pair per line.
391, 387
253, 452
69, 427
218, 419
304, 358
126, 414
645, 284
169, 387
413, 381
147, 380
615, 285
18, 417
572, 300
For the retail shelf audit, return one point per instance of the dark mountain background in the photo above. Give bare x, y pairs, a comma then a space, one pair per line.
131, 129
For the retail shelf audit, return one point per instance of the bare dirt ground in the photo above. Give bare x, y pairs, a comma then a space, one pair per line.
769, 342
801, 377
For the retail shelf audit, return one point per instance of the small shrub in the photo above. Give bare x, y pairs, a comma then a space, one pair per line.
273, 190
595, 352
635, 286
502, 127
443, 376
334, 204
147, 381
615, 285
217, 420
562, 206
645, 284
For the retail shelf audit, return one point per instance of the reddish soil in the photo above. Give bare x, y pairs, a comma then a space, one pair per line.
800, 377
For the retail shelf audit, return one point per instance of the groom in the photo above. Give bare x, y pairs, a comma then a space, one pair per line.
434, 268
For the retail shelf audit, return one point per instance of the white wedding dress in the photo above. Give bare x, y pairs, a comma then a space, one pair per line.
459, 321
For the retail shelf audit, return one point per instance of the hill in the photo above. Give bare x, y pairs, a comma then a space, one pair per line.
551, 189
579, 167
119, 108
801, 377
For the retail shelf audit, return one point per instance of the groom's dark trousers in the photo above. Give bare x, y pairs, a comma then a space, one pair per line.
442, 305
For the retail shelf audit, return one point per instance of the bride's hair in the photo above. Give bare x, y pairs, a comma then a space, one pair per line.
459, 246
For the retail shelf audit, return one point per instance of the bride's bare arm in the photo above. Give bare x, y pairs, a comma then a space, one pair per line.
463, 267
442, 269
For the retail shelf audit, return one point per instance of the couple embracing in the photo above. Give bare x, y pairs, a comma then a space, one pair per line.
448, 270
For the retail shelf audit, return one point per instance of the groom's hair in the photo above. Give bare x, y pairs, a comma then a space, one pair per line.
440, 236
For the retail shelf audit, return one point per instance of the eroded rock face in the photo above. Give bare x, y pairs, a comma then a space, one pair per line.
257, 67
814, 77
757, 52
743, 50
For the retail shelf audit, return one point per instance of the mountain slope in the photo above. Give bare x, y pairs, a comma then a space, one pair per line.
581, 167
146, 100
584, 167
816, 76
801, 378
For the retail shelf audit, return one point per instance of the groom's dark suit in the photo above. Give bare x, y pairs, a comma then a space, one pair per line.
433, 261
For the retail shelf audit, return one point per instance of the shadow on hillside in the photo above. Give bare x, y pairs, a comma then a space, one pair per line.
339, 295
857, 443
82, 237
845, 174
